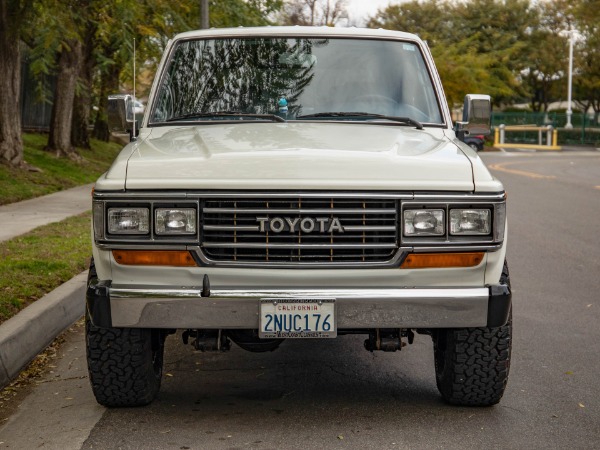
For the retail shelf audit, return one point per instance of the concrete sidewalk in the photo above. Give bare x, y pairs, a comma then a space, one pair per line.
22, 217
25, 335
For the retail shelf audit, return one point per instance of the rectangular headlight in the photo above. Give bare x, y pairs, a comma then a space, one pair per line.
175, 221
470, 221
423, 222
128, 221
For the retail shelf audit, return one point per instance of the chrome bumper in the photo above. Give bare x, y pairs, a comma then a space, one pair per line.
164, 307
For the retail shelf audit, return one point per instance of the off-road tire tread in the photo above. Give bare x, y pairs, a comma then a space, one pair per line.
120, 364
476, 362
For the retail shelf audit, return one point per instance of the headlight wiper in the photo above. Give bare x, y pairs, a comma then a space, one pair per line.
208, 115
333, 115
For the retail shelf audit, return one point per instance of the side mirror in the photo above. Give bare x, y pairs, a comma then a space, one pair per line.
477, 115
120, 114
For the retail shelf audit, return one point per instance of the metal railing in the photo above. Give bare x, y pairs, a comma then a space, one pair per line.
586, 127
550, 133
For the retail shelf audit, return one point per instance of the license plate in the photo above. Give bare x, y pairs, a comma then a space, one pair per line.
297, 318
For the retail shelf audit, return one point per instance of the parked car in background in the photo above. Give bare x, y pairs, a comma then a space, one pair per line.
475, 142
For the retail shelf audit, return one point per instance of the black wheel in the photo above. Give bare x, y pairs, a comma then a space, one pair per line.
472, 364
124, 364
474, 146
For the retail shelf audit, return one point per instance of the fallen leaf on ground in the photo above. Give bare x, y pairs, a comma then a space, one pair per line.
581, 405
340, 437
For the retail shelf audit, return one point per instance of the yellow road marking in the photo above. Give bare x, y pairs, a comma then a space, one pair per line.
502, 168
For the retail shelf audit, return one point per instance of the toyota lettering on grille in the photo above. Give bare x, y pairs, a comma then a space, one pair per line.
304, 224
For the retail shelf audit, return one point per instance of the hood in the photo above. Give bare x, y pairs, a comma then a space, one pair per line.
324, 156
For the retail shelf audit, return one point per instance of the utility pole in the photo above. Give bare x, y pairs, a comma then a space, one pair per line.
569, 125
204, 15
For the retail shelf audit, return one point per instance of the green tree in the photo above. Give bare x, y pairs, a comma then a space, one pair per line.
313, 12
478, 45
14, 19
432, 20
546, 55
586, 14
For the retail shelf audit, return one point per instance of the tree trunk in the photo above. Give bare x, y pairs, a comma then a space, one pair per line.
80, 134
69, 63
109, 85
11, 142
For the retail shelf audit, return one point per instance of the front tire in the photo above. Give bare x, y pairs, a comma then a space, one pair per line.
472, 364
124, 364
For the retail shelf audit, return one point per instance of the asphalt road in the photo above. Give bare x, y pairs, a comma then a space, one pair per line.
334, 394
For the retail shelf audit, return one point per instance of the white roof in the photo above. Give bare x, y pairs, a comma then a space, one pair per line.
298, 31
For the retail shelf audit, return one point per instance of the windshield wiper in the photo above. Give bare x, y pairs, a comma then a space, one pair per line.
366, 115
208, 115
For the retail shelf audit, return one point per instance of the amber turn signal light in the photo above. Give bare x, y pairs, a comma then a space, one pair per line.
154, 258
437, 260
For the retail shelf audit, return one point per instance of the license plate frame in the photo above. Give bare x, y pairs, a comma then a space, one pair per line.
297, 318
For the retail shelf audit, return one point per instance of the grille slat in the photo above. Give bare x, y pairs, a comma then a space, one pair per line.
295, 211
300, 230
292, 246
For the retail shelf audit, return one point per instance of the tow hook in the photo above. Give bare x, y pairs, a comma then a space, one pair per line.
207, 340
384, 340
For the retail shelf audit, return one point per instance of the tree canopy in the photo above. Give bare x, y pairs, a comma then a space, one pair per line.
514, 50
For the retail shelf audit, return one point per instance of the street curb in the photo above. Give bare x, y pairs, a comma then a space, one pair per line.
25, 335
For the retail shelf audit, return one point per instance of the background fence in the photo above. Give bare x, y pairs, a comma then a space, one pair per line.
585, 131
35, 111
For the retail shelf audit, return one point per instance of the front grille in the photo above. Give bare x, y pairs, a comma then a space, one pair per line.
300, 230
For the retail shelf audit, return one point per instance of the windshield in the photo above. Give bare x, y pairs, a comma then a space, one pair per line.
295, 77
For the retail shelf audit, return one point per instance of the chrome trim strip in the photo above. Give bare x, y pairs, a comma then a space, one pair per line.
297, 211
251, 194
231, 228
130, 291
391, 263
458, 248
191, 195
369, 228
167, 307
460, 197
294, 246
130, 246
256, 228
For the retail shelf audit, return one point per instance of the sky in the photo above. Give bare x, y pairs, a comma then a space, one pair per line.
358, 10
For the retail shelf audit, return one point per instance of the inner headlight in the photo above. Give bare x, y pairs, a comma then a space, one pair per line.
128, 221
470, 221
423, 222
175, 221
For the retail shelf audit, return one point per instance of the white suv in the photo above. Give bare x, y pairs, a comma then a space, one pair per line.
298, 183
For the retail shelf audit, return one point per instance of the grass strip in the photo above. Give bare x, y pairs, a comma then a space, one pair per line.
56, 173
35, 263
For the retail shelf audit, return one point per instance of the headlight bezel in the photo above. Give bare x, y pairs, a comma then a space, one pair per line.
493, 236
103, 233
